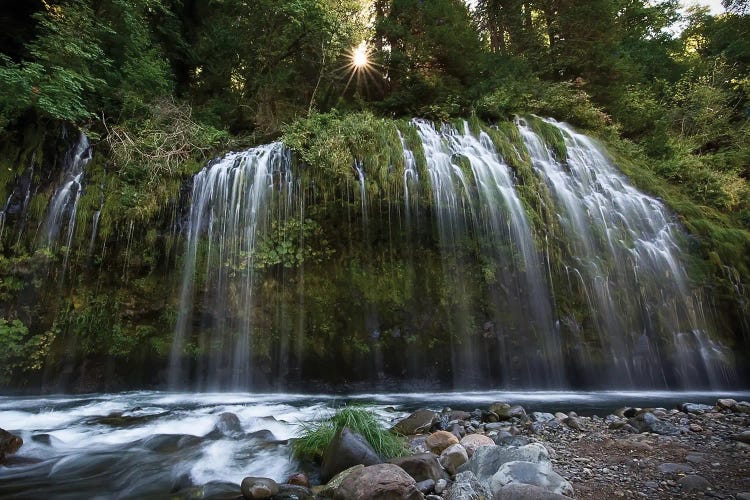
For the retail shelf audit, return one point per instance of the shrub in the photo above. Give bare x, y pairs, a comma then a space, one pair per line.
315, 436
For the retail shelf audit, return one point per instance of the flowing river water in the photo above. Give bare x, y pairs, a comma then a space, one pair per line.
160, 444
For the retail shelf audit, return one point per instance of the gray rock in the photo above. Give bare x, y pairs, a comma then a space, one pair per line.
741, 407
472, 442
672, 468
503, 413
9, 443
346, 449
258, 487
693, 483
495, 426
540, 416
262, 435
421, 467
459, 415
574, 423
648, 422
293, 492
726, 403
418, 422
743, 436
453, 457
378, 482
745, 495
327, 490
440, 486
426, 486
467, 487
487, 460
696, 408
229, 424
508, 439
521, 491
537, 474
498, 408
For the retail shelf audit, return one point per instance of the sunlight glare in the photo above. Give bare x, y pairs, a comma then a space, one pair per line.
359, 56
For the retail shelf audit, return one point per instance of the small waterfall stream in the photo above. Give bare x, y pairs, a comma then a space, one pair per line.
230, 208
626, 254
63, 207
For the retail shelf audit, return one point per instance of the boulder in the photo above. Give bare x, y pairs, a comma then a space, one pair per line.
474, 441
498, 408
540, 416
487, 460
418, 422
726, 403
467, 487
537, 474
346, 449
459, 415
693, 483
521, 491
229, 424
504, 411
696, 408
9, 443
648, 422
258, 487
574, 423
378, 482
743, 437
453, 457
440, 440
421, 467
327, 490
741, 407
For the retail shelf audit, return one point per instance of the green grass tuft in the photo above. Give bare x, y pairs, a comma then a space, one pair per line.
315, 436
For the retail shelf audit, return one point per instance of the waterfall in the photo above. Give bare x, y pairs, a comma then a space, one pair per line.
625, 253
63, 207
229, 209
491, 296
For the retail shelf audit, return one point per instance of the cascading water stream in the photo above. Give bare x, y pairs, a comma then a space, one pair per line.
230, 208
625, 251
499, 224
63, 207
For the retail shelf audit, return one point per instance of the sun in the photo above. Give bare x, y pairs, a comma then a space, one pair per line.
359, 57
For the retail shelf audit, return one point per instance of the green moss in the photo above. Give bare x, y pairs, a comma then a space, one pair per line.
551, 135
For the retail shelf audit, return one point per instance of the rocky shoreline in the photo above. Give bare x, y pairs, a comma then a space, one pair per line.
505, 452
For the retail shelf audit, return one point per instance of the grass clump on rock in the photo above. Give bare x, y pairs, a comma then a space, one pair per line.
314, 437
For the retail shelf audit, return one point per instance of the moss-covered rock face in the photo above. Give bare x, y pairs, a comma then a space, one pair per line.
361, 277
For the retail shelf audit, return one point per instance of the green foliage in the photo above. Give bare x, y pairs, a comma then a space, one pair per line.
315, 437
330, 144
291, 243
21, 352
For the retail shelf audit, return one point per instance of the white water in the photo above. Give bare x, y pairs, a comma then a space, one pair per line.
85, 457
230, 208
626, 255
63, 206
